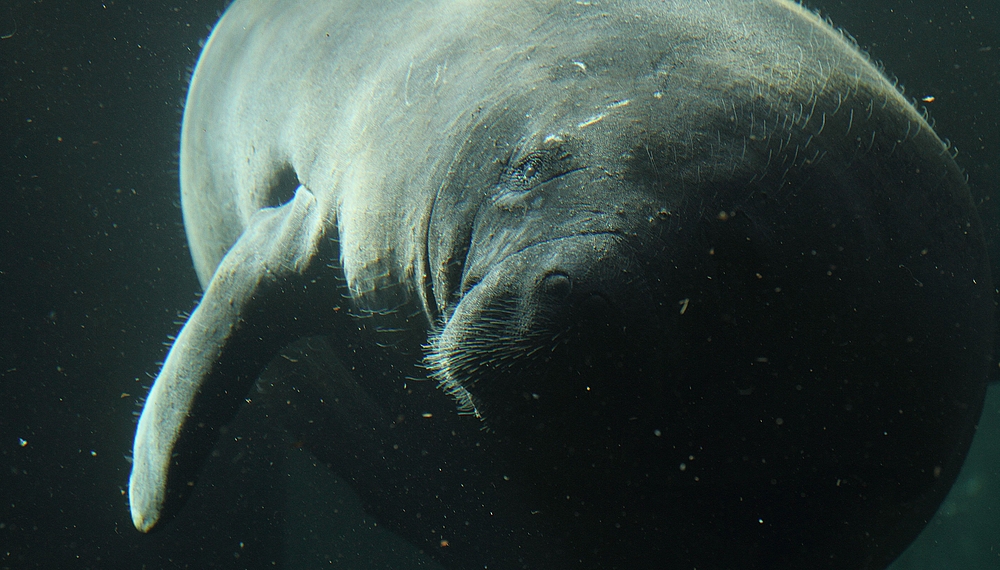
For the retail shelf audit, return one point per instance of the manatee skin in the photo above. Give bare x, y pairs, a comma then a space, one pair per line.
704, 288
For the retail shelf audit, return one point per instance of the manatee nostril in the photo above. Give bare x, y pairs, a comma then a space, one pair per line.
557, 284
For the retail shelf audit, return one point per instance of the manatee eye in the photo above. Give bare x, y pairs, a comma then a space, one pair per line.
531, 166
523, 176
534, 169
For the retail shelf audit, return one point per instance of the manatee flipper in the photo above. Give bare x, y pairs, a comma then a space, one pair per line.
224, 344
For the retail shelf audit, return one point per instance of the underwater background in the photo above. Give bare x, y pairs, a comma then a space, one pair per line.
94, 272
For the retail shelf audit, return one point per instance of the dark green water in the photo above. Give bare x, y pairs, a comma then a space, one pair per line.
94, 270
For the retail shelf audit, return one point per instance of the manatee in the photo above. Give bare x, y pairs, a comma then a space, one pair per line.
596, 284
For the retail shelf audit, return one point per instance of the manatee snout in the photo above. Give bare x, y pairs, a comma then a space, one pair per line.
546, 307
585, 285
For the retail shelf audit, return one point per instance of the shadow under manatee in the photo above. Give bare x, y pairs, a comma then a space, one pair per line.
309, 391
416, 465
326, 524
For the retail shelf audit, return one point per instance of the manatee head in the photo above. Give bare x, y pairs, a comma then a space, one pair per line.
567, 234
558, 252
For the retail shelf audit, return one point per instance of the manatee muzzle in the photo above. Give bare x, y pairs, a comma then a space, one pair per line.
552, 302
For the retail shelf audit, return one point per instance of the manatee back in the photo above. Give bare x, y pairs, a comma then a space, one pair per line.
262, 102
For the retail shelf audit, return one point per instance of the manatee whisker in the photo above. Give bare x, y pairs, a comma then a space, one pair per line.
483, 347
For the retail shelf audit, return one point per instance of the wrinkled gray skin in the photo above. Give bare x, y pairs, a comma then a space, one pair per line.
481, 160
